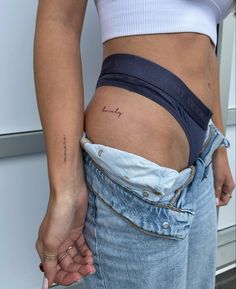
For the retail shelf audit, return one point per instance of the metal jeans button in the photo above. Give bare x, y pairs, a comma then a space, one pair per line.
145, 193
100, 153
166, 225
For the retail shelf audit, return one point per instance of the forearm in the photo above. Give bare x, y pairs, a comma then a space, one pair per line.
59, 91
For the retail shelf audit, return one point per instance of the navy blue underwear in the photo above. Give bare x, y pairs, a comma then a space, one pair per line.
157, 83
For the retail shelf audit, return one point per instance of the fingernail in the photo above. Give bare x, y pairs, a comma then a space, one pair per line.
45, 283
217, 201
78, 281
92, 272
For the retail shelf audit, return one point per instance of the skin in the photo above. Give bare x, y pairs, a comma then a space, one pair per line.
112, 114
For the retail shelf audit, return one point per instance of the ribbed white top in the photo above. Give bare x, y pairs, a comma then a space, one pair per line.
132, 17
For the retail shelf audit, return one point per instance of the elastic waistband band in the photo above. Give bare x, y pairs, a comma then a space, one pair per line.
158, 76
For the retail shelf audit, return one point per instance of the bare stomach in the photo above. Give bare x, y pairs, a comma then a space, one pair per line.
129, 121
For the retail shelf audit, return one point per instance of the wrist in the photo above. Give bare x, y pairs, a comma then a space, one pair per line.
69, 189
220, 156
68, 199
67, 180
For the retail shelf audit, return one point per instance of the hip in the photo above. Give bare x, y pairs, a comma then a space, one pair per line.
139, 190
133, 103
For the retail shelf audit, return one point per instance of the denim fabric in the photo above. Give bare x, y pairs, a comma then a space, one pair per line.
149, 226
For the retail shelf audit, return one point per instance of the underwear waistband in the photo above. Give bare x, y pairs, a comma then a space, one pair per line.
158, 76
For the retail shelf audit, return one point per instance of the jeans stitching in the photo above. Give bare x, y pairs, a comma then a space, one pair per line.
96, 241
134, 225
173, 236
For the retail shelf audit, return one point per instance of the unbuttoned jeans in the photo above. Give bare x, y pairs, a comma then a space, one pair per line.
149, 226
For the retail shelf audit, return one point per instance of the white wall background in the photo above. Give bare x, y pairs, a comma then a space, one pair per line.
23, 198
18, 110
232, 100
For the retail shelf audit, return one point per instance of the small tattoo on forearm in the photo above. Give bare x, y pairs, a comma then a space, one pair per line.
64, 144
113, 111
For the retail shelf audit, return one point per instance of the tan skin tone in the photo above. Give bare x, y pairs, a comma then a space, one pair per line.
141, 115
59, 90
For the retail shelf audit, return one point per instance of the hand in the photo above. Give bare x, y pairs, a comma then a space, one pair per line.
61, 236
223, 180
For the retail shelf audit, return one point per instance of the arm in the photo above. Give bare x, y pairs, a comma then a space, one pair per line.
59, 91
223, 180
59, 88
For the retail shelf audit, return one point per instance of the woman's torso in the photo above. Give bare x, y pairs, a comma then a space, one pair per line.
142, 130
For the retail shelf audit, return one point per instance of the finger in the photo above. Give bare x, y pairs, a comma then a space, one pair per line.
83, 260
67, 278
50, 271
68, 264
75, 264
222, 203
218, 189
225, 197
83, 247
83, 269
228, 187
87, 270
66, 261
49, 267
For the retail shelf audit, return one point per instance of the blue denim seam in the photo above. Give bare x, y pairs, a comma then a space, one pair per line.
174, 237
98, 253
96, 240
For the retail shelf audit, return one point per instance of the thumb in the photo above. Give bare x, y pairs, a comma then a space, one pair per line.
45, 283
218, 184
50, 271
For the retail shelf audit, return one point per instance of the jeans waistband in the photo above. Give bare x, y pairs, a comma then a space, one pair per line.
135, 172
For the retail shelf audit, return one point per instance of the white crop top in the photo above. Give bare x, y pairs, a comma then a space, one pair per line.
132, 17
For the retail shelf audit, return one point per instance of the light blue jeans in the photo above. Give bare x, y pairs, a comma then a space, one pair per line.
149, 226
